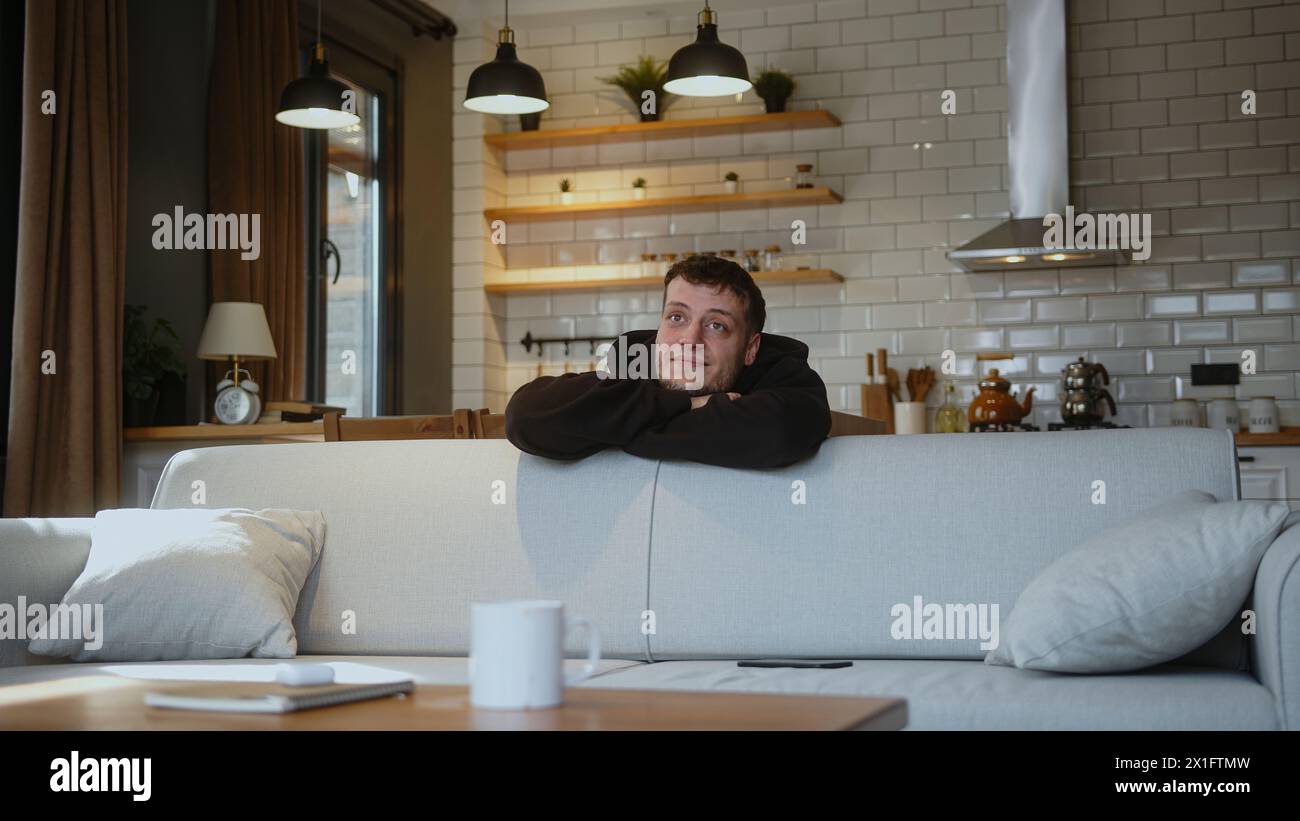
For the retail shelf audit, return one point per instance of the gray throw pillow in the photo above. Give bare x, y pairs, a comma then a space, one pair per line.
1142, 593
194, 583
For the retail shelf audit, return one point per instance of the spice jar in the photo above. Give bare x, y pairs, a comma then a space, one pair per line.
803, 179
770, 258
751, 260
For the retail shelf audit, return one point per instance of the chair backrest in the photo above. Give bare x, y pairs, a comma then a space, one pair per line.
456, 425
487, 425
847, 424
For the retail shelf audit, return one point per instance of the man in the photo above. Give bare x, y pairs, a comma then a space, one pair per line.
728, 393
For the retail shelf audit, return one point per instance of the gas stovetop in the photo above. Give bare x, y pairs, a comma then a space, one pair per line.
1052, 426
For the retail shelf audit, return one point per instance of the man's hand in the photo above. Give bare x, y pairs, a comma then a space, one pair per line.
701, 401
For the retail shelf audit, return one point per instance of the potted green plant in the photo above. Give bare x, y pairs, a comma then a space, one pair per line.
566, 192
648, 74
638, 188
775, 87
731, 180
149, 355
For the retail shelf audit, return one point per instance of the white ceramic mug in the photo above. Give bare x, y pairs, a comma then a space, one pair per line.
1223, 414
516, 657
909, 417
1263, 415
1185, 413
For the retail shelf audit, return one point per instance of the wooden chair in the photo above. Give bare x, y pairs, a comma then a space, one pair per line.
456, 425
487, 425
846, 424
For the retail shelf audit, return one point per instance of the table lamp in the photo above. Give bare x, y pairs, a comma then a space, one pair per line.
237, 330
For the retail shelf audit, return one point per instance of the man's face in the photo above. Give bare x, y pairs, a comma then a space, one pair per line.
711, 317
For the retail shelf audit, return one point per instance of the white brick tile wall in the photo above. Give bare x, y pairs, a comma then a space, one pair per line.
1156, 125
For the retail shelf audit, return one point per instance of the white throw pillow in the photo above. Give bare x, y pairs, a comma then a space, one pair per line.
186, 584
1142, 593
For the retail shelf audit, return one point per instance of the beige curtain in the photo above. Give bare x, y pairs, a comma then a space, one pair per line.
255, 167
65, 436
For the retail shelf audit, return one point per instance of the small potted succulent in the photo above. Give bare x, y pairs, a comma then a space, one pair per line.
775, 87
566, 192
638, 188
648, 74
731, 181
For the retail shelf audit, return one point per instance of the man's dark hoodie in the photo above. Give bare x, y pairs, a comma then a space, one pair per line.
781, 417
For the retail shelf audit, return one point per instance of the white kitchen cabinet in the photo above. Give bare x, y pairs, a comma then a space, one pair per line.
1270, 472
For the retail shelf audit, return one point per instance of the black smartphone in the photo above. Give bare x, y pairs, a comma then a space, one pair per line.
793, 663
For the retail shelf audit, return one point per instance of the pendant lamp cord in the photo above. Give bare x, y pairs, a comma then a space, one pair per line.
507, 13
319, 4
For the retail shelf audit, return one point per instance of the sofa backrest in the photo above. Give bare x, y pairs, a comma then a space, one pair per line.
813, 559
806, 560
416, 530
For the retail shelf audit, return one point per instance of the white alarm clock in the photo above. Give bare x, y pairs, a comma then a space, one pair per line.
237, 403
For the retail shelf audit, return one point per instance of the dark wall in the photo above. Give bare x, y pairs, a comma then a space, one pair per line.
169, 52
11, 74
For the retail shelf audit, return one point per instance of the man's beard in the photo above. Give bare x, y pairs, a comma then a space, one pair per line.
721, 378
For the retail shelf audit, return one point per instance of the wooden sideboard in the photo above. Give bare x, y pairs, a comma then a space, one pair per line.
145, 451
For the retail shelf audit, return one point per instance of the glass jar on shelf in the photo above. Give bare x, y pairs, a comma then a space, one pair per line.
751, 260
771, 258
803, 177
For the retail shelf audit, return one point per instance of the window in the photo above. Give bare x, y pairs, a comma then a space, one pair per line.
352, 293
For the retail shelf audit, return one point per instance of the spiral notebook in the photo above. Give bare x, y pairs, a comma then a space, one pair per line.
236, 697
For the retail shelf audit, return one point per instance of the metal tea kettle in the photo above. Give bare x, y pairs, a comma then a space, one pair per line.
1082, 393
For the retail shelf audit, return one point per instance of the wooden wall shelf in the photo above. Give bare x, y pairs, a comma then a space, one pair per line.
1285, 437
748, 123
803, 275
752, 199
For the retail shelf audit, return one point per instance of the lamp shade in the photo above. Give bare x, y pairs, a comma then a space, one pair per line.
236, 329
708, 67
315, 101
505, 85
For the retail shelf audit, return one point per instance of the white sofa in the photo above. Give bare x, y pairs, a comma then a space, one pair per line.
802, 561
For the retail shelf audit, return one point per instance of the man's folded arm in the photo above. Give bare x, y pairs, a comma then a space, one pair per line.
769, 427
577, 414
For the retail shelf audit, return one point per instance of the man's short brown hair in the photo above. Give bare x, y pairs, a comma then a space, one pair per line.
723, 273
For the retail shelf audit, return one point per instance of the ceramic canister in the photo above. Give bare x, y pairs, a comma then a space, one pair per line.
1185, 413
1263, 415
1223, 414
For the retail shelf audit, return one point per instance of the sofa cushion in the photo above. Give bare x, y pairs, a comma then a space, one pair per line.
1143, 593
970, 695
347, 670
185, 584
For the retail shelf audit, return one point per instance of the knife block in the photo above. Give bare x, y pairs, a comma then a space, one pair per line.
878, 404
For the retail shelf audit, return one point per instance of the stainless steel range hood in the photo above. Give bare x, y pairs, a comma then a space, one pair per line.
1038, 148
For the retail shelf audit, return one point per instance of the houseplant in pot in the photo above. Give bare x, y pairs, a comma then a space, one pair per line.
566, 192
149, 355
775, 87
731, 180
648, 74
638, 188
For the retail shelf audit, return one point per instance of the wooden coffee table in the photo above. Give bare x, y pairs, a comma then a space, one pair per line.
112, 703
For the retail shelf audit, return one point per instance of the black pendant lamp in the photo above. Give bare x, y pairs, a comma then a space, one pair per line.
317, 100
708, 67
505, 85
